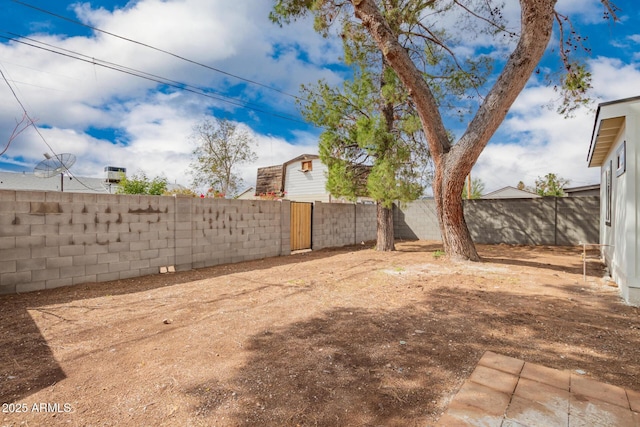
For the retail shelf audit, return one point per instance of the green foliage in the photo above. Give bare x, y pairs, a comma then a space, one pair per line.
477, 188
181, 192
551, 185
139, 183
438, 253
220, 147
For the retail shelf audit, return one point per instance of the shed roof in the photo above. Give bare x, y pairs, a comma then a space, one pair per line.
605, 131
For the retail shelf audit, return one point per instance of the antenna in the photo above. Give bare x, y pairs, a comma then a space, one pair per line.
53, 165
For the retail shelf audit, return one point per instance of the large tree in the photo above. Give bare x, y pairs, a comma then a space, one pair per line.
414, 51
372, 143
221, 146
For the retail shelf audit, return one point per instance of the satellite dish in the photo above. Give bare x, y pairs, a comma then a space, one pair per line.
54, 165
51, 166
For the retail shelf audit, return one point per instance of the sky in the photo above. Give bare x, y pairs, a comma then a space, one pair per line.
252, 73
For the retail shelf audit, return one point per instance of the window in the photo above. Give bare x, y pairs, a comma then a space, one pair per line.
621, 159
307, 166
607, 195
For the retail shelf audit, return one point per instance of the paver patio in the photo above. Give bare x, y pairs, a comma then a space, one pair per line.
506, 392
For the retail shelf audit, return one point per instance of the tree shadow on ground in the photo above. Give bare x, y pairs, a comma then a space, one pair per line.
27, 364
367, 367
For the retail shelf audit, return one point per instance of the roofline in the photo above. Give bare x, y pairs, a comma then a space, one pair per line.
595, 123
582, 187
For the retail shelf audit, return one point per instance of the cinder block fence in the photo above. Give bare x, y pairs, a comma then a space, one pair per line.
53, 239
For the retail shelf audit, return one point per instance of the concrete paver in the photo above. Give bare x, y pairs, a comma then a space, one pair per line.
506, 392
553, 377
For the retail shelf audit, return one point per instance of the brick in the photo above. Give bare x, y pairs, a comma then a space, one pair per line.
7, 242
129, 256
30, 287
85, 259
65, 240
78, 280
15, 230
15, 254
8, 266
58, 283
71, 250
60, 262
72, 271
15, 207
10, 279
30, 242
31, 264
119, 266
95, 249
119, 247
127, 274
45, 252
107, 277
46, 274
61, 218
96, 269
29, 219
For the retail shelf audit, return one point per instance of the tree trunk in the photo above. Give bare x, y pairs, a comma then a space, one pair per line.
456, 237
386, 236
454, 162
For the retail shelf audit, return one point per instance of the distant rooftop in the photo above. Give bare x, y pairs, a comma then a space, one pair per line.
28, 181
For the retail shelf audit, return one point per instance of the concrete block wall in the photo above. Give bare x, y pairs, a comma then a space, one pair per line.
416, 220
578, 220
366, 223
512, 221
229, 231
342, 224
545, 221
52, 239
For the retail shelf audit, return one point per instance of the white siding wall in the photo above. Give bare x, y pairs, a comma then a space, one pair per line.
306, 186
621, 254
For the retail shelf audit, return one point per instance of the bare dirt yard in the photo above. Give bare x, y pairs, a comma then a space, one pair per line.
346, 337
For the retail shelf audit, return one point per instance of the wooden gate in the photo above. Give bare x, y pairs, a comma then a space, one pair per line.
301, 225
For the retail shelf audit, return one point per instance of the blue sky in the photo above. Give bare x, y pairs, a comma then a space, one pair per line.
106, 117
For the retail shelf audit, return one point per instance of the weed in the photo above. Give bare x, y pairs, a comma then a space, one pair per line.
438, 253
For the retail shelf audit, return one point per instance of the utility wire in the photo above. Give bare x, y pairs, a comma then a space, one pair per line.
234, 101
141, 74
48, 12
32, 123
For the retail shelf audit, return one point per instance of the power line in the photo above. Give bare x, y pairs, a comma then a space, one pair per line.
148, 76
48, 12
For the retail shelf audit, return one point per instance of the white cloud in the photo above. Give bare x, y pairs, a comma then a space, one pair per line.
535, 140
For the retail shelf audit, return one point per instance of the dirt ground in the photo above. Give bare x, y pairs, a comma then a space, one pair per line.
347, 337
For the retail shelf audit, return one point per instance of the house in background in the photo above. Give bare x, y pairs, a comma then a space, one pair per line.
25, 181
582, 191
509, 192
30, 182
614, 149
302, 179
